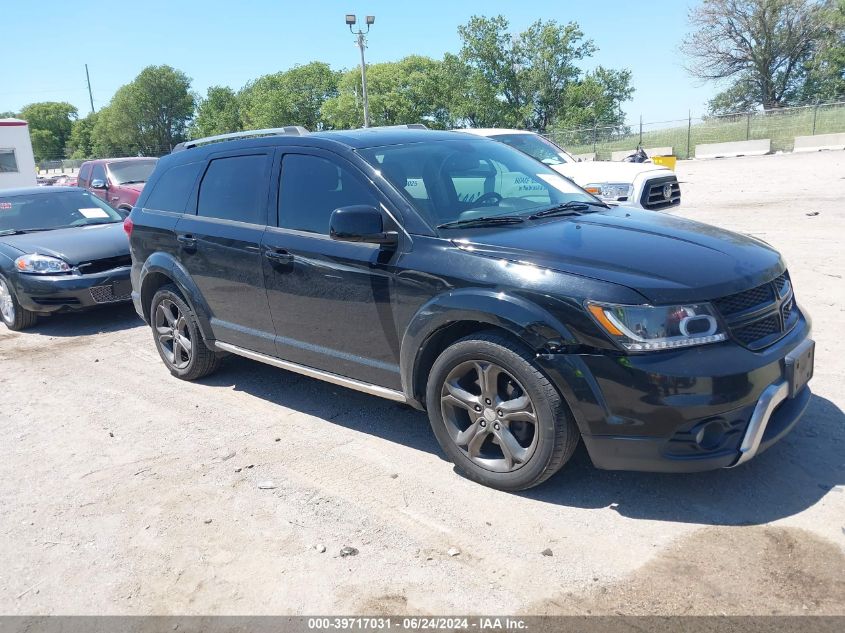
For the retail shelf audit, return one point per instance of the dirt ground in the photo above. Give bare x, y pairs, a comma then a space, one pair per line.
125, 491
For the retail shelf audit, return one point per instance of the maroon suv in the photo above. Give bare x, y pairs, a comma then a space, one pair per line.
118, 181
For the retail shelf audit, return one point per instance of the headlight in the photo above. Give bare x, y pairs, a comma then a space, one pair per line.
610, 190
41, 265
647, 328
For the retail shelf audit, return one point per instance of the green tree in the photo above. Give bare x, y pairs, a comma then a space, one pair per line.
50, 125
147, 116
595, 101
80, 144
760, 46
825, 71
291, 97
407, 91
218, 113
471, 100
531, 79
8, 115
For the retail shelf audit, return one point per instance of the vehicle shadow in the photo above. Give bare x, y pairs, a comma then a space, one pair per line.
109, 318
790, 477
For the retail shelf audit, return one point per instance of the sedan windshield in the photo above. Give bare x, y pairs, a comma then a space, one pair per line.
454, 180
537, 147
130, 171
53, 210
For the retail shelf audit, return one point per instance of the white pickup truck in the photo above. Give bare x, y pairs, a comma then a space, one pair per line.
642, 185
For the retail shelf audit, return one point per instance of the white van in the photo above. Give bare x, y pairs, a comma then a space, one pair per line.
17, 163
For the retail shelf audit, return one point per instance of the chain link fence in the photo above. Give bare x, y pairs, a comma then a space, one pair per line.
682, 135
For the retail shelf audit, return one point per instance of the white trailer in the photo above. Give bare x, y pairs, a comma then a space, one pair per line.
17, 163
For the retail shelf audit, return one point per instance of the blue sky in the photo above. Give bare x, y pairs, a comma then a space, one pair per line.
229, 43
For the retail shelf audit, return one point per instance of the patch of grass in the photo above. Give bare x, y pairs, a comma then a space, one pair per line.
780, 126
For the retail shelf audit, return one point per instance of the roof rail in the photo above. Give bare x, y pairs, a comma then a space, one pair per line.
288, 130
408, 126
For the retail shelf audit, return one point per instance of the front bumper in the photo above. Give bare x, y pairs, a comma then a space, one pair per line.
702, 408
46, 294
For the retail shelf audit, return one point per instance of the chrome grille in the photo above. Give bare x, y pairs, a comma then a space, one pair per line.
762, 315
654, 193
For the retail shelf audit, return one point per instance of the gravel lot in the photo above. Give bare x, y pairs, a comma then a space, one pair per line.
126, 491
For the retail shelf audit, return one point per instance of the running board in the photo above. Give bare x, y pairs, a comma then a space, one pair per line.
342, 381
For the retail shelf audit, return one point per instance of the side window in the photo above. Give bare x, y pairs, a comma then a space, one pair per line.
312, 187
85, 175
173, 188
99, 173
235, 188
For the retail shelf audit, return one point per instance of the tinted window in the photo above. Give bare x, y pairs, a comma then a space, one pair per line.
8, 162
99, 173
234, 188
172, 190
312, 187
84, 174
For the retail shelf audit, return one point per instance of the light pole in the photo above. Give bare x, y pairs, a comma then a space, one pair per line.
362, 44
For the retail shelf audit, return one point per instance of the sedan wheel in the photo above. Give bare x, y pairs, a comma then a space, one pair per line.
7, 305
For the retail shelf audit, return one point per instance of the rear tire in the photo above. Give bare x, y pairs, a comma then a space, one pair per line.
177, 336
496, 416
11, 313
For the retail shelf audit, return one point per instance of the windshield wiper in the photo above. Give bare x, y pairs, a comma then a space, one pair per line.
492, 220
22, 231
573, 207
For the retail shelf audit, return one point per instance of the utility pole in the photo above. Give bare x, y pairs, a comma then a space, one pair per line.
362, 44
90, 94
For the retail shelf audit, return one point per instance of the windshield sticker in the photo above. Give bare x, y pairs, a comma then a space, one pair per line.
558, 182
93, 212
5, 206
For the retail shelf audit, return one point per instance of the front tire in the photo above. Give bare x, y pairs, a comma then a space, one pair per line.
177, 336
497, 417
12, 314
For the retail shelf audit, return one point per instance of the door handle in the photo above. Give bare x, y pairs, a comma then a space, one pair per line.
279, 256
188, 241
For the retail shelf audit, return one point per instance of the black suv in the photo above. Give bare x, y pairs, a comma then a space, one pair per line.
463, 277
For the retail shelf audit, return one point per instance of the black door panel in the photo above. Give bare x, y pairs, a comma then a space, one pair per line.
331, 306
224, 259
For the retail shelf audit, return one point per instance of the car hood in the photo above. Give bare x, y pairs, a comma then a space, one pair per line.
75, 245
663, 257
135, 186
588, 172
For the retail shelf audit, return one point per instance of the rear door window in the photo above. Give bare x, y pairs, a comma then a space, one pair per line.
172, 190
235, 188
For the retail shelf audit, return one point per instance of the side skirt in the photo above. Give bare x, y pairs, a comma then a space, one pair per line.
335, 379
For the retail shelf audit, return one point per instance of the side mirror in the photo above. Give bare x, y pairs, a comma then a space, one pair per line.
360, 223
98, 184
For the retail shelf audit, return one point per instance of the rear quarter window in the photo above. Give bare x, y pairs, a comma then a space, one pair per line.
173, 188
235, 188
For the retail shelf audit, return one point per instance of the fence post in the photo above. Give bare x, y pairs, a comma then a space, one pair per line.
641, 131
815, 114
689, 132
595, 134
747, 126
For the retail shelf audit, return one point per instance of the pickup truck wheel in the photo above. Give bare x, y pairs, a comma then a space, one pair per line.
497, 417
13, 315
177, 336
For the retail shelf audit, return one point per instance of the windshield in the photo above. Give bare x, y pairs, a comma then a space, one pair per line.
537, 147
53, 210
131, 171
453, 180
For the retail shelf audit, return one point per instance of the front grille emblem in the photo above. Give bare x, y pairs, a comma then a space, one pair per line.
667, 191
